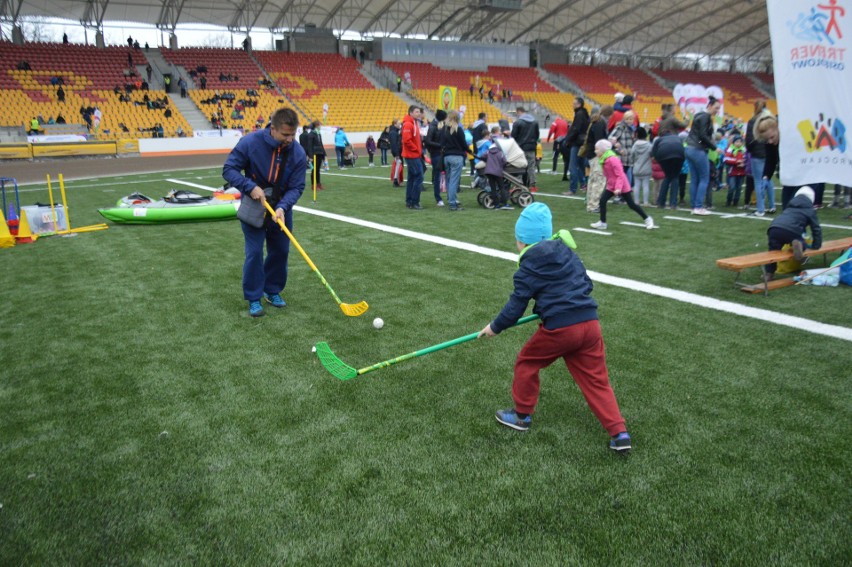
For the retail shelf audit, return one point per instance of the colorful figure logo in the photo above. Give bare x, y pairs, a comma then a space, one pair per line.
819, 25
446, 97
823, 133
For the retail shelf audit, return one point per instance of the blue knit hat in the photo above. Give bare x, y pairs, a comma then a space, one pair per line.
535, 224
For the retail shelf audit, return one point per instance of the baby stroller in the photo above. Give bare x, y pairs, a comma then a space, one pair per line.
516, 165
349, 156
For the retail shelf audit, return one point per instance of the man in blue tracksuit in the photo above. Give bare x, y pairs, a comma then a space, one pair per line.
268, 164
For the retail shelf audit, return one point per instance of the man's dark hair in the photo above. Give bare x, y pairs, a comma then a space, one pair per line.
520, 109
482, 116
284, 116
581, 101
412, 108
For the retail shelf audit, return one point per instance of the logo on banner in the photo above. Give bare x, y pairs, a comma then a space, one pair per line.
692, 98
823, 133
821, 28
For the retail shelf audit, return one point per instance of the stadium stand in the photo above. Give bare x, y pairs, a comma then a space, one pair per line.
89, 77
219, 64
312, 80
426, 79
599, 84
740, 92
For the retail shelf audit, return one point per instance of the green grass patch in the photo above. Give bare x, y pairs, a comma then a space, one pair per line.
146, 419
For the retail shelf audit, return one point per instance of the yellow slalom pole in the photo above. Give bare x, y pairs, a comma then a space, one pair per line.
65, 204
52, 208
90, 228
314, 177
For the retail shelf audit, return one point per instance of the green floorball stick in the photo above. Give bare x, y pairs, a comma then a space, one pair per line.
343, 371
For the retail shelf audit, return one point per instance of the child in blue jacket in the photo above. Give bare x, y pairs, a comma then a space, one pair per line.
554, 276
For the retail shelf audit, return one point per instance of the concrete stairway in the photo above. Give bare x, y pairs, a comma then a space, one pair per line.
196, 119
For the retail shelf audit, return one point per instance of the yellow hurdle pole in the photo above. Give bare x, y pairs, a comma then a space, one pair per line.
91, 228
52, 209
64, 204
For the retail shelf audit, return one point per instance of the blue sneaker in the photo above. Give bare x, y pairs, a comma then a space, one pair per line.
509, 418
256, 309
275, 300
621, 443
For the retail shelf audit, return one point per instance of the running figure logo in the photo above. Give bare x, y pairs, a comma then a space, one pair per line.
820, 24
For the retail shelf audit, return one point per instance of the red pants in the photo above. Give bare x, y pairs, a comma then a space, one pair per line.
582, 348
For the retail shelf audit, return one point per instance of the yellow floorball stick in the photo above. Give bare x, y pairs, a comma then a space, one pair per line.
349, 309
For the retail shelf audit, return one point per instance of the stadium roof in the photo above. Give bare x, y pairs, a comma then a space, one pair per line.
736, 29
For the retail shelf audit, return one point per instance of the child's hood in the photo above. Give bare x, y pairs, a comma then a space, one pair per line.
549, 259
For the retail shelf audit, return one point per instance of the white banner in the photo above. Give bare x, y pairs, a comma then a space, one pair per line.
64, 138
810, 41
217, 134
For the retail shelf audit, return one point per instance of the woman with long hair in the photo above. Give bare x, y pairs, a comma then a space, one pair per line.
455, 152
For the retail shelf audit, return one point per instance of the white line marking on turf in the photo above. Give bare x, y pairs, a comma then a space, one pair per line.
628, 223
191, 184
798, 323
681, 219
592, 231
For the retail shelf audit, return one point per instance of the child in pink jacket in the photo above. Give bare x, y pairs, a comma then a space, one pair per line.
616, 184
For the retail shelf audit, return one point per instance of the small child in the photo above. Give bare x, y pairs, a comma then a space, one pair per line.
616, 184
550, 273
735, 157
495, 162
787, 228
641, 157
371, 149
539, 153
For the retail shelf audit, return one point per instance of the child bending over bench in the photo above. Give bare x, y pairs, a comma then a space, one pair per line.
788, 227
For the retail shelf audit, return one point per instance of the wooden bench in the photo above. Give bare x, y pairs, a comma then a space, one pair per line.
740, 263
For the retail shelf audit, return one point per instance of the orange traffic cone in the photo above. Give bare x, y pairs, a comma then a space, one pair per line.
24, 232
6, 238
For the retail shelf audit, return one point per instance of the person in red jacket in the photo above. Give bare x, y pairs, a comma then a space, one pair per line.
558, 131
735, 160
620, 109
412, 153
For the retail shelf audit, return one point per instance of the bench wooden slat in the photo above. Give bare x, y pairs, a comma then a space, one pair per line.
739, 263
774, 284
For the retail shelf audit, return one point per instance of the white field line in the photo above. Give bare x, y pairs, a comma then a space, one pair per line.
195, 185
591, 231
799, 323
41, 186
629, 223
684, 219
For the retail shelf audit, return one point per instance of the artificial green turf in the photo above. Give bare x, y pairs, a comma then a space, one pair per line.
146, 419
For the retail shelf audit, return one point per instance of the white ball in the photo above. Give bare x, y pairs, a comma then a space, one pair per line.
378, 323
313, 349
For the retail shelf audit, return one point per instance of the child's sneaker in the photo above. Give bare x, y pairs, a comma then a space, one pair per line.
509, 418
256, 309
620, 443
798, 251
649, 223
600, 225
275, 300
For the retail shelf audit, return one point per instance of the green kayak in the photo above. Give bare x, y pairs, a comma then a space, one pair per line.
135, 210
